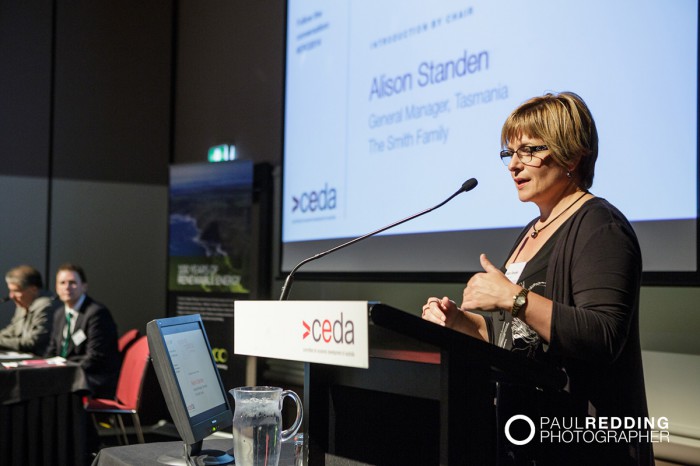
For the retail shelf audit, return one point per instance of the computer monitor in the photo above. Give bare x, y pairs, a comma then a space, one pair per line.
191, 385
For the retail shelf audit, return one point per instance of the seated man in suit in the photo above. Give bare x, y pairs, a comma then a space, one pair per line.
85, 332
30, 327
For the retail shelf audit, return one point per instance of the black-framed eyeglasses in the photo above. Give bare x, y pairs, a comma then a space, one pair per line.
525, 154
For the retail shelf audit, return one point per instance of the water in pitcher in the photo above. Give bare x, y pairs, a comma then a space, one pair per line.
256, 432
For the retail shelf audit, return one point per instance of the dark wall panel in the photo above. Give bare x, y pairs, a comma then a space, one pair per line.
25, 86
112, 102
25, 105
229, 78
117, 232
85, 131
111, 151
23, 236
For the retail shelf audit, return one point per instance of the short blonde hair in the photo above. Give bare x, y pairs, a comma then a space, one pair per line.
565, 124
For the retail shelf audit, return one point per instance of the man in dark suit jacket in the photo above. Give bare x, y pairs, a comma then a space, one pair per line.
85, 332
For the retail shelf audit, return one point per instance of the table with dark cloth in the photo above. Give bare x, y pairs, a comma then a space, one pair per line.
147, 454
42, 420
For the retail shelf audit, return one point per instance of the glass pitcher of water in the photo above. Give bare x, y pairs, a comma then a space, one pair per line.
257, 424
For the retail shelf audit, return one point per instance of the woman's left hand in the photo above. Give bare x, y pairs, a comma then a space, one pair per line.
489, 290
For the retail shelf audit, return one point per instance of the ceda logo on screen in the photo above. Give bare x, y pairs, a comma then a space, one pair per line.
323, 199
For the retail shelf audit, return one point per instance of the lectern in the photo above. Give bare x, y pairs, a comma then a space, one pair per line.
427, 397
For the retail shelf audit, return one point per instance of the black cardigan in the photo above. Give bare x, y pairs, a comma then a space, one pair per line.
594, 278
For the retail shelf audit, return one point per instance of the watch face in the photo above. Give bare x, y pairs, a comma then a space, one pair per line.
520, 301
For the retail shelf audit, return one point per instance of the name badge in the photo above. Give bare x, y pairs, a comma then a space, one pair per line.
78, 337
514, 271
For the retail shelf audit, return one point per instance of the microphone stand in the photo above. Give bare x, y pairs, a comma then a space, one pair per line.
286, 288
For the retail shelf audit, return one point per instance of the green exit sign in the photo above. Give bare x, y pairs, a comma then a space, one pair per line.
222, 153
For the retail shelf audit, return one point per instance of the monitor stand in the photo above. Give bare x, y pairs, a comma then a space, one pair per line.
195, 452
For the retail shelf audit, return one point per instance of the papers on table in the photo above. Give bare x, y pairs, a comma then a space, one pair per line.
5, 355
55, 361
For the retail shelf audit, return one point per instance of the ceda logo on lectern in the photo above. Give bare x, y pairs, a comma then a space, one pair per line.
325, 332
340, 331
322, 199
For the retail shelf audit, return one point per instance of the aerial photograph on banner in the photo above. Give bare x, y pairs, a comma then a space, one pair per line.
210, 227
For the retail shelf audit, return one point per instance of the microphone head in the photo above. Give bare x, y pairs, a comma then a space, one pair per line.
469, 184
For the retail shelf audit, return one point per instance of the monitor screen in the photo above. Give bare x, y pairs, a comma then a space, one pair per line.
390, 106
189, 379
198, 382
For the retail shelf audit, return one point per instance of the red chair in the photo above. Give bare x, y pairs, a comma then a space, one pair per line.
129, 388
127, 339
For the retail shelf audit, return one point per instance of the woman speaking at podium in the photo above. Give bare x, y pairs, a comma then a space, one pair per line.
568, 293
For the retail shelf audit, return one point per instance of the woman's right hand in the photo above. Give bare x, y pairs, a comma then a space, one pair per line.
441, 311
445, 312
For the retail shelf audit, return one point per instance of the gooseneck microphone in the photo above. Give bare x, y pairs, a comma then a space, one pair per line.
466, 186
